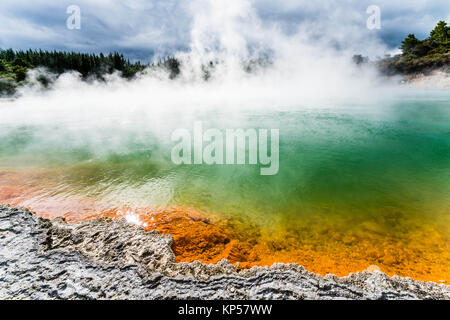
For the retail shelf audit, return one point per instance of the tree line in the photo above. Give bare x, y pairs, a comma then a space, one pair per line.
421, 56
14, 65
18, 62
437, 43
417, 55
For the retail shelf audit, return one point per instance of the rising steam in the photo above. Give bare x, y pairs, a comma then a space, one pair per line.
292, 70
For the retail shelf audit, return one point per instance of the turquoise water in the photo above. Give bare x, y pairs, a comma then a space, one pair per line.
333, 159
358, 184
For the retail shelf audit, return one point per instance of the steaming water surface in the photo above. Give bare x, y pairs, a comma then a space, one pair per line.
358, 184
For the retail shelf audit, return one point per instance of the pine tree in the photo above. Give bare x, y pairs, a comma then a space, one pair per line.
441, 33
409, 43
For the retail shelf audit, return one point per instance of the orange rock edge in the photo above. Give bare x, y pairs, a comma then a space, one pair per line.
319, 247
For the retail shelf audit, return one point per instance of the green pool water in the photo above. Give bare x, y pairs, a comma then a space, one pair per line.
357, 158
387, 162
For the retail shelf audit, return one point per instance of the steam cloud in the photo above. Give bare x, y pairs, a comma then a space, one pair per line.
305, 70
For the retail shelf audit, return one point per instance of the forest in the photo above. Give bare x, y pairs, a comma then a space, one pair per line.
420, 56
14, 66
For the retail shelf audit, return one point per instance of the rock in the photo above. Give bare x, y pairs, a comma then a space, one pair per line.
105, 259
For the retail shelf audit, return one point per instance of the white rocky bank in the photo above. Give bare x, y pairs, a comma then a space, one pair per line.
104, 259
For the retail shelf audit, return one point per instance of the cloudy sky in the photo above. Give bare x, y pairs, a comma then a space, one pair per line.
139, 28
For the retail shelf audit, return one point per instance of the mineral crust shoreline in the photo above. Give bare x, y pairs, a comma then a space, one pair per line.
106, 259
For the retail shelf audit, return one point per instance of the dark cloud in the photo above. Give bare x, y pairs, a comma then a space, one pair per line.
140, 28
